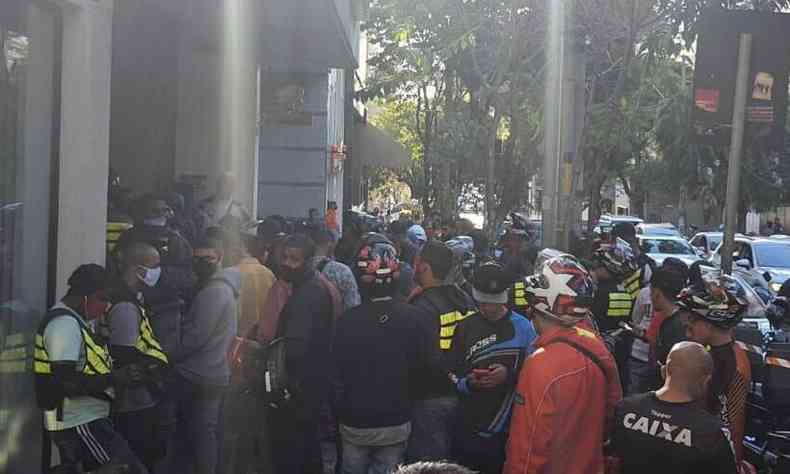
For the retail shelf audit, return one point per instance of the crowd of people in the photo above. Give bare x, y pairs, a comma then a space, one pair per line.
209, 345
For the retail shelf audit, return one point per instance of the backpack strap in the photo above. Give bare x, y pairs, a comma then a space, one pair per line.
584, 351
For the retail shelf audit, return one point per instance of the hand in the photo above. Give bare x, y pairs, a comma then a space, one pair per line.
130, 374
496, 376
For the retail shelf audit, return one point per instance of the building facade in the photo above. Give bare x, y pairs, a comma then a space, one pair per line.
163, 94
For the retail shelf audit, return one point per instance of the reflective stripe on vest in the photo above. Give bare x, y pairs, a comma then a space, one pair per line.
633, 284
519, 295
147, 343
97, 357
448, 323
620, 305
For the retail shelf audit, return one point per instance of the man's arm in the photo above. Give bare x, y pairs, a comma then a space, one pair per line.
201, 321
532, 428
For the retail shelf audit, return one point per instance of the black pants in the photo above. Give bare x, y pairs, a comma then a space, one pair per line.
142, 430
483, 455
93, 445
295, 440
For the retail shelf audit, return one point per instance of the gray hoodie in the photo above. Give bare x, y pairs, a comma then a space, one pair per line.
208, 330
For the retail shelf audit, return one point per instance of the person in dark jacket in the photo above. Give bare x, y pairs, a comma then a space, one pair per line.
306, 322
488, 350
150, 226
444, 307
201, 362
380, 349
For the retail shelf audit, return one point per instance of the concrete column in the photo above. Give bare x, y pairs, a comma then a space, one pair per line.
85, 133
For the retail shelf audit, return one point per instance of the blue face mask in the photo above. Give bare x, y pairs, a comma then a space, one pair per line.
156, 221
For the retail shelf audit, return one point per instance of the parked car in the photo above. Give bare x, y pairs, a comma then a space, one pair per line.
754, 294
606, 222
661, 247
706, 243
658, 230
766, 257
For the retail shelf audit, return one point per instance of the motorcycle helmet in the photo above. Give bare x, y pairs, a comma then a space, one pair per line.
376, 266
464, 257
617, 258
561, 289
719, 301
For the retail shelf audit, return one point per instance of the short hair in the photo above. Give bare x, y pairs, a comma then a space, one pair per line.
210, 243
669, 281
301, 242
135, 252
433, 468
87, 280
439, 257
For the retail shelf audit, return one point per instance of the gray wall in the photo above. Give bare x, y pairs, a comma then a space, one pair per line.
292, 167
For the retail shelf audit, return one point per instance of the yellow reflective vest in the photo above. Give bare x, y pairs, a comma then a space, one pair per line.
98, 362
620, 305
633, 283
518, 297
448, 323
146, 344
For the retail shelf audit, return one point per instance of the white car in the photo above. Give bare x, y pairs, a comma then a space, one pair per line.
660, 248
766, 257
706, 243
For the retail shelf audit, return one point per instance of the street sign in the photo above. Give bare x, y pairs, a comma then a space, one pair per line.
715, 71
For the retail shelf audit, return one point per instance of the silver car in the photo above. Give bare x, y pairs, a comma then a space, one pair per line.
660, 248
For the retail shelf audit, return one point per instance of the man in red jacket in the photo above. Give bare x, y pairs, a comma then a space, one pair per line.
568, 387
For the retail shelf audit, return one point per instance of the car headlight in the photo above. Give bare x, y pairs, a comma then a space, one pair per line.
776, 287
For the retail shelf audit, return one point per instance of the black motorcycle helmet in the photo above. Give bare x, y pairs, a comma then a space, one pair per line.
376, 266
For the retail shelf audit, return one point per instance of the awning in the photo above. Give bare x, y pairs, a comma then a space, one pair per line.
375, 147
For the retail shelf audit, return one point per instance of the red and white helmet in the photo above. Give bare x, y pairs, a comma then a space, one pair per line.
561, 289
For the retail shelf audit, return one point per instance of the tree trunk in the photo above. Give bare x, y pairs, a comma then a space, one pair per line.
491, 206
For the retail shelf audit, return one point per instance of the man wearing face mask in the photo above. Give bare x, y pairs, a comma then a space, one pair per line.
132, 341
201, 362
669, 430
175, 252
76, 381
306, 322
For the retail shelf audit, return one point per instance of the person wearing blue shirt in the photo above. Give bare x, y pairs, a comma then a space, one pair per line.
488, 350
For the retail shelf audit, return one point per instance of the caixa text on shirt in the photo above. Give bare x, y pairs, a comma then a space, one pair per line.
657, 428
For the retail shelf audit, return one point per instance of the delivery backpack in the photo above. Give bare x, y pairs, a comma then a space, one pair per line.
261, 367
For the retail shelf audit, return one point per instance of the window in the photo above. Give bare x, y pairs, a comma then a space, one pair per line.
28, 42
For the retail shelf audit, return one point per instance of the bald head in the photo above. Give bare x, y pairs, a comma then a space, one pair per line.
226, 186
689, 367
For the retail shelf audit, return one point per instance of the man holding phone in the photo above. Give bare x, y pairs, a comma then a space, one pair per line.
487, 352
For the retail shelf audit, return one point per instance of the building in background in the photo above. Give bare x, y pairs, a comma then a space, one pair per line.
164, 93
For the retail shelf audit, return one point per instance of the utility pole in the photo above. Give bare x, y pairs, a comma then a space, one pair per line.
552, 118
736, 149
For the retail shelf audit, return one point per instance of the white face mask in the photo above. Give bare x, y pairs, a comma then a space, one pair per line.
152, 275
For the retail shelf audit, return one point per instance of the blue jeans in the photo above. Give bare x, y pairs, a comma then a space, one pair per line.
372, 459
431, 429
197, 437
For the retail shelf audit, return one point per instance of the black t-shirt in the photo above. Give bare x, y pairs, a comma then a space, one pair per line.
600, 306
671, 332
654, 436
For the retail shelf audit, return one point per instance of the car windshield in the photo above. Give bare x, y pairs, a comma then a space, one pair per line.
773, 255
714, 241
664, 231
672, 247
